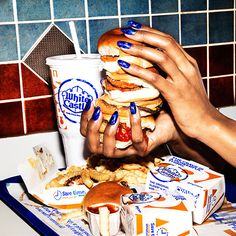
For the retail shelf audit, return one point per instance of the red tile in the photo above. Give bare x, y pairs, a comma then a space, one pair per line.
200, 55
40, 115
9, 82
32, 84
221, 91
221, 60
11, 121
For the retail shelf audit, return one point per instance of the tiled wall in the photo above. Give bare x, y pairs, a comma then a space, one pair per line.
31, 30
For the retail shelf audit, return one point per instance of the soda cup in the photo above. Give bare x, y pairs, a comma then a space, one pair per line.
74, 81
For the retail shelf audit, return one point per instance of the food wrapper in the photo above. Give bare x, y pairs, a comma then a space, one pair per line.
154, 213
221, 223
39, 170
203, 188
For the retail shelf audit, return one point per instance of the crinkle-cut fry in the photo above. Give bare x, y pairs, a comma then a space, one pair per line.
120, 174
86, 178
98, 175
131, 166
157, 161
100, 168
150, 165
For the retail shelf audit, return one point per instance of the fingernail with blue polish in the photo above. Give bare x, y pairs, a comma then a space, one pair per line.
113, 118
123, 64
124, 44
128, 31
133, 109
134, 24
96, 113
88, 105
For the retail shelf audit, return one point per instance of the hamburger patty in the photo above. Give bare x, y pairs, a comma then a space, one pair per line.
110, 86
122, 84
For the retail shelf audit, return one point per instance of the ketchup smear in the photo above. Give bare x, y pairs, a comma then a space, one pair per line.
123, 133
95, 209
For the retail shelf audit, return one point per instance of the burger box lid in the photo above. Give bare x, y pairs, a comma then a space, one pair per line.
155, 213
68, 197
203, 188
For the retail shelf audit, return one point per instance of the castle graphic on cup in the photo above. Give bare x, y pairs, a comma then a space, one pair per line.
73, 95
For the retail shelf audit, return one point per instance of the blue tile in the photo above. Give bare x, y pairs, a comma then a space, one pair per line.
8, 44
168, 24
6, 11
80, 29
220, 4
102, 8
29, 33
33, 10
69, 9
134, 7
221, 27
193, 5
162, 6
193, 27
97, 28
143, 20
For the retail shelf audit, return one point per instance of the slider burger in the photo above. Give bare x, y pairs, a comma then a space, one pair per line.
121, 88
105, 193
102, 205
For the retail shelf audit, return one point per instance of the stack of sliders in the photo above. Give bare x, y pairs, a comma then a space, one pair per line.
121, 88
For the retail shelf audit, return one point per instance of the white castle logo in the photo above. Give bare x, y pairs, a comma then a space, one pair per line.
75, 99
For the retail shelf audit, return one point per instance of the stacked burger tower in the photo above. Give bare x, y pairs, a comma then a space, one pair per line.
121, 88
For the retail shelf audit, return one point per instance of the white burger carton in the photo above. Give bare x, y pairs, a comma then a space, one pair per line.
154, 213
203, 188
39, 170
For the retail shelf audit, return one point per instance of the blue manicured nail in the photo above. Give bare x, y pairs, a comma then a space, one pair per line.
133, 109
123, 64
88, 105
134, 24
124, 44
113, 118
96, 113
128, 31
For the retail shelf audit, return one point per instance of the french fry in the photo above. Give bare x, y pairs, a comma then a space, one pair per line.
99, 176
104, 221
86, 178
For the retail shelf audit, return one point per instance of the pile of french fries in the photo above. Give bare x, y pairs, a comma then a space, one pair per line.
130, 173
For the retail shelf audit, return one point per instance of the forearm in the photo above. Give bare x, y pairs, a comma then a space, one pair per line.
219, 133
195, 150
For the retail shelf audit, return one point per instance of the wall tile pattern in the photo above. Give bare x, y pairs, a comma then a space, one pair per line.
31, 30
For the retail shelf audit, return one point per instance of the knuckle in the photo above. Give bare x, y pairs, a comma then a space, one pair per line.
169, 41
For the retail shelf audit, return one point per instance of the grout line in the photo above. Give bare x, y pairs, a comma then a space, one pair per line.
150, 12
52, 11
14, 4
25, 99
87, 25
234, 55
110, 17
119, 12
179, 13
208, 56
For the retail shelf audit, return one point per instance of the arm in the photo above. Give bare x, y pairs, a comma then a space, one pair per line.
183, 90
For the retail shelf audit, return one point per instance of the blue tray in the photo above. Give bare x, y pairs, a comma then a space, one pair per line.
22, 211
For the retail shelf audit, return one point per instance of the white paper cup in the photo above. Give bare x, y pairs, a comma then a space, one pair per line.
114, 219
74, 81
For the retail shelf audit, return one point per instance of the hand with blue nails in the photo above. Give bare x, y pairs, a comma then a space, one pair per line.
191, 125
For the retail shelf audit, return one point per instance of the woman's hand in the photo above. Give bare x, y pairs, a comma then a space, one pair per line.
183, 88
142, 144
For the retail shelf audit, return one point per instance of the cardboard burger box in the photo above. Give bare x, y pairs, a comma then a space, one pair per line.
154, 213
203, 188
40, 169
